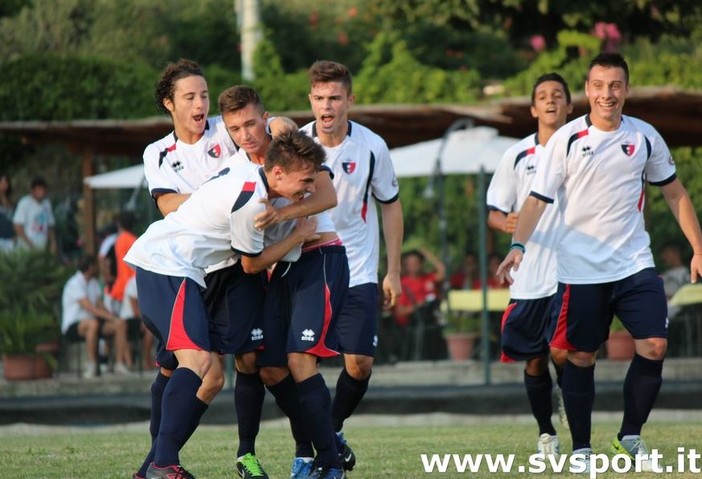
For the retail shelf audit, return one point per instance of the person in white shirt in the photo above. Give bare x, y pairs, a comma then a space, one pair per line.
34, 219
129, 312
527, 323
597, 166
85, 316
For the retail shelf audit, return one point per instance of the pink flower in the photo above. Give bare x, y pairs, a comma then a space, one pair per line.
537, 42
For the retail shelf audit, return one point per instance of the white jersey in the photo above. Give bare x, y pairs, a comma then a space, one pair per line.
599, 179
76, 289
36, 217
215, 221
363, 173
509, 188
171, 166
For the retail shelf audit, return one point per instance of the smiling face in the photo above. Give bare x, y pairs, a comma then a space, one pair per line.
550, 105
330, 102
247, 127
189, 108
295, 183
606, 89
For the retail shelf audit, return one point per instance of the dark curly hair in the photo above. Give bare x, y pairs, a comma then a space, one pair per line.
173, 72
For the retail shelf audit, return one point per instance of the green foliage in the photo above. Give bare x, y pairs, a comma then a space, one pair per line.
280, 92
45, 87
29, 297
390, 74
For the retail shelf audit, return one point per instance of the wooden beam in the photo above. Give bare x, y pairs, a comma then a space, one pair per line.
87, 169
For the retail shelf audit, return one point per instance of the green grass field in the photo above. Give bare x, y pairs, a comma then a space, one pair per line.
383, 451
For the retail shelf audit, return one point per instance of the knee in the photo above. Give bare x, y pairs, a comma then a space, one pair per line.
652, 348
246, 363
537, 366
582, 359
272, 376
212, 384
559, 357
358, 367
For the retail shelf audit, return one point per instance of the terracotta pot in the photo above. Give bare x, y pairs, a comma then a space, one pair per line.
620, 346
18, 367
460, 345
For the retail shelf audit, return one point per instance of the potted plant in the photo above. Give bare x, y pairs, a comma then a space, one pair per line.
461, 332
29, 305
620, 345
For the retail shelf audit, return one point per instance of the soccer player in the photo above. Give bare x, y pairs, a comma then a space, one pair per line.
597, 166
175, 166
527, 322
171, 259
363, 174
245, 118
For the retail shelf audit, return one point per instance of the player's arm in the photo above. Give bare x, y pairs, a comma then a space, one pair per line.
323, 198
393, 230
529, 217
305, 230
169, 202
680, 204
436, 263
501, 221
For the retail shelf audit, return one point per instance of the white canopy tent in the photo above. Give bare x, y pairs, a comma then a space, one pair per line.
130, 178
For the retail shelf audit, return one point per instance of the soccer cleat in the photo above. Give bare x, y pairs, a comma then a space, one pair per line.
585, 453
346, 455
327, 473
548, 445
249, 467
634, 447
170, 472
301, 468
562, 416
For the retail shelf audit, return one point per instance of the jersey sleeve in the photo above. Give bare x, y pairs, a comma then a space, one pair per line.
246, 240
156, 180
385, 187
660, 167
552, 171
502, 192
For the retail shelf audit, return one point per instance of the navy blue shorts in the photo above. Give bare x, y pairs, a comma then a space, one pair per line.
527, 327
235, 302
358, 322
302, 305
174, 310
585, 311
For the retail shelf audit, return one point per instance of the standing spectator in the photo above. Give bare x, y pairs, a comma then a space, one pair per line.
7, 207
527, 323
676, 274
107, 260
34, 219
85, 316
124, 240
363, 174
131, 313
597, 166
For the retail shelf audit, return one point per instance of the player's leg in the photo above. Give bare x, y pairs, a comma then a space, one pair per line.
357, 329
642, 307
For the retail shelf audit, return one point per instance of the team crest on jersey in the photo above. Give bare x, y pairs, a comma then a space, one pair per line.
348, 166
215, 151
628, 149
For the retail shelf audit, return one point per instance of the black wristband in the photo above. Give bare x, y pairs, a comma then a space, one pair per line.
517, 245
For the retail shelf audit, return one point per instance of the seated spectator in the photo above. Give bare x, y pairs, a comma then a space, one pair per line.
676, 273
132, 315
85, 316
418, 286
466, 274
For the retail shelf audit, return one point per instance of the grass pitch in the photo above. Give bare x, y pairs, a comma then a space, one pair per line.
385, 449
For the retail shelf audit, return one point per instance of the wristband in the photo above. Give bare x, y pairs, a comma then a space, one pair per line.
517, 245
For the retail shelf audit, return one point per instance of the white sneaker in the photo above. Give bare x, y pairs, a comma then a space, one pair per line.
562, 416
583, 456
89, 370
634, 447
121, 369
548, 445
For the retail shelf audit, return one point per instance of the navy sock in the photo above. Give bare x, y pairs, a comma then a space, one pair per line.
288, 400
539, 391
315, 402
179, 403
157, 388
559, 373
348, 395
641, 386
249, 394
578, 396
200, 408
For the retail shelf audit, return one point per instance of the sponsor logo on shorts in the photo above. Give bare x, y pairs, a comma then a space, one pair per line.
307, 335
256, 334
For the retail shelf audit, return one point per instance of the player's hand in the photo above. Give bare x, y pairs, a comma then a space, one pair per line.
267, 218
392, 288
695, 268
511, 222
511, 262
306, 229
